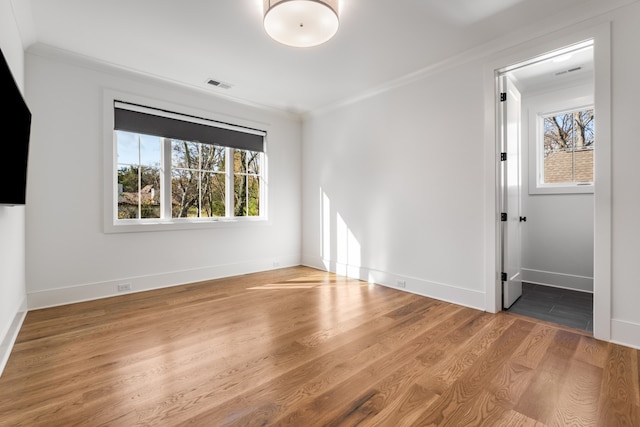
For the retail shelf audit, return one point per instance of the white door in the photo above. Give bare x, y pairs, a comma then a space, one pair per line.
510, 194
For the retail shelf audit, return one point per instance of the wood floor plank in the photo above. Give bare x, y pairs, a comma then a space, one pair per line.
405, 409
512, 418
442, 372
618, 403
480, 411
577, 403
540, 399
593, 351
466, 389
510, 383
531, 352
368, 401
303, 347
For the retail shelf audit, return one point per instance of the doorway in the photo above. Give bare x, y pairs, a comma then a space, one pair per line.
501, 61
546, 198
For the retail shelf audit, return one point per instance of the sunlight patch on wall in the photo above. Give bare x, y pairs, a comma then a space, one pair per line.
340, 250
325, 224
348, 248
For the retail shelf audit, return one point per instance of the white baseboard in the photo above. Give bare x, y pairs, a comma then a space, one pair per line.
93, 291
6, 345
558, 280
440, 291
625, 333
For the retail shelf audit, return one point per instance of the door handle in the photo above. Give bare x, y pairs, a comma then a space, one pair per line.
523, 219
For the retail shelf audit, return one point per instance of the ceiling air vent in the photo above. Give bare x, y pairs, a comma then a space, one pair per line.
218, 83
570, 70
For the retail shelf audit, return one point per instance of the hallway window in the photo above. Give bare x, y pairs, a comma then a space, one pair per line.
567, 146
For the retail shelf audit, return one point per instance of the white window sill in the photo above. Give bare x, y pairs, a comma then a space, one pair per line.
562, 189
136, 226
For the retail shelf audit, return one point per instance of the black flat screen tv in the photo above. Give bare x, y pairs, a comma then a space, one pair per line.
16, 127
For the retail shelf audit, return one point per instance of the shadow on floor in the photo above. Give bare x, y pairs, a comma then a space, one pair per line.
568, 308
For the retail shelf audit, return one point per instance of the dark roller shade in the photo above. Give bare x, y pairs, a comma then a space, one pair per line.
157, 125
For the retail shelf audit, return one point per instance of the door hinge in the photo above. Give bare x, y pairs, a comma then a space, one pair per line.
503, 216
503, 157
503, 96
503, 276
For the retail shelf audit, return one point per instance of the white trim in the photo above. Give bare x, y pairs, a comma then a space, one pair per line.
558, 280
8, 341
586, 188
549, 55
601, 34
140, 226
414, 285
492, 152
602, 276
99, 290
625, 333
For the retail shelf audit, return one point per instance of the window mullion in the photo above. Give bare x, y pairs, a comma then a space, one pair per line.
165, 176
262, 182
199, 180
229, 167
139, 178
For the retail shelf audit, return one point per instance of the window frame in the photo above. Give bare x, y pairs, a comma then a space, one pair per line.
537, 113
111, 223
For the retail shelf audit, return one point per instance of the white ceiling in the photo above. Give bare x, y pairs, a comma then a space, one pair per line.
574, 66
191, 41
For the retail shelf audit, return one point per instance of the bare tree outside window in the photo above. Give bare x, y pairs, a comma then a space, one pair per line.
246, 182
568, 147
197, 180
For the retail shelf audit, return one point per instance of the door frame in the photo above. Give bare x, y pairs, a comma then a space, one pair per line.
601, 36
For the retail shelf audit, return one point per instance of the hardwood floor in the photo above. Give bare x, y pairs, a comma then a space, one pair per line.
300, 347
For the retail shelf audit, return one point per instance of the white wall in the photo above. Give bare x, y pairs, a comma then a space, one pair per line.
557, 239
402, 188
404, 168
69, 257
12, 219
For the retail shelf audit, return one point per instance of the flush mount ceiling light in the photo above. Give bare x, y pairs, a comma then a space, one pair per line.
301, 23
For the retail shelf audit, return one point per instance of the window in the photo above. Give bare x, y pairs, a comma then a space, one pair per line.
568, 142
138, 172
171, 169
565, 149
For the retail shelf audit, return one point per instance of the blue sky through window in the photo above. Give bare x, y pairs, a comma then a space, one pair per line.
127, 149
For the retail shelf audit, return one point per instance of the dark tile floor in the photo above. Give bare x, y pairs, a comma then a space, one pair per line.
568, 308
